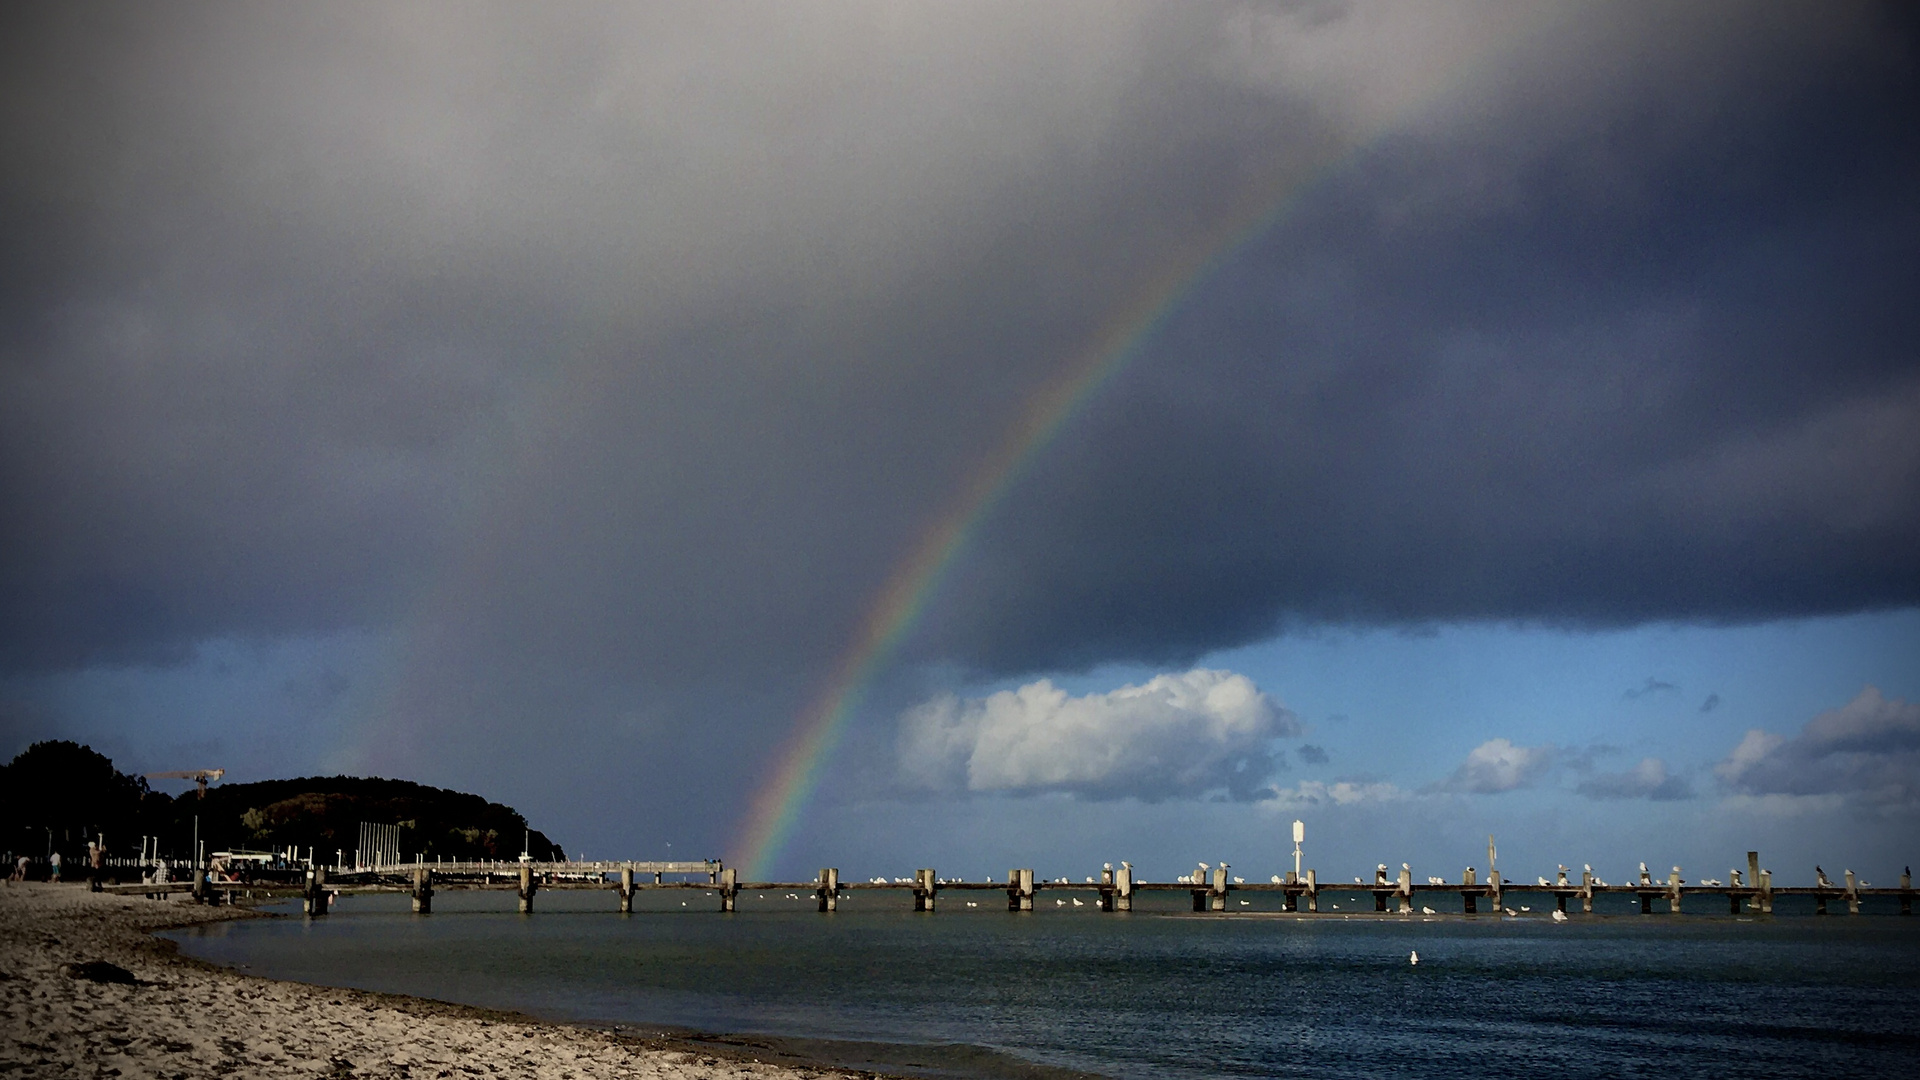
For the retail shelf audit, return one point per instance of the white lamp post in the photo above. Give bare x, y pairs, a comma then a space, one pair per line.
1299, 834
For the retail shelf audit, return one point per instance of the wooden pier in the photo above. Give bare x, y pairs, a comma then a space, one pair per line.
1210, 888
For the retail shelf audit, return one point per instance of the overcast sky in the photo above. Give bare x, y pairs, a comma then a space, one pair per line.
538, 401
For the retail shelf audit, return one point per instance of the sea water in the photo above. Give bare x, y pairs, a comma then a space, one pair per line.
1157, 992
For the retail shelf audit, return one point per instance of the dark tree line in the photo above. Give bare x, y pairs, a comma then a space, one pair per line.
58, 795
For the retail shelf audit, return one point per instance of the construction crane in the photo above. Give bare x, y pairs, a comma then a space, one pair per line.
200, 775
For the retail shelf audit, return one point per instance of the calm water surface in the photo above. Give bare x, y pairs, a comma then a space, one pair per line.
1155, 993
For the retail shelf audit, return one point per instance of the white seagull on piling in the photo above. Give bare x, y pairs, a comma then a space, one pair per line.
1559, 916
1426, 911
1413, 957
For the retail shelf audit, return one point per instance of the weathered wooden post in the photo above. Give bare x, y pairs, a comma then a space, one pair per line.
626, 890
1217, 895
1469, 903
1200, 888
1292, 896
1123, 888
925, 887
422, 891
1673, 892
1586, 890
1766, 892
828, 891
527, 887
1405, 889
1020, 890
1313, 891
1753, 881
1853, 894
729, 887
317, 891
1106, 887
1493, 891
1906, 892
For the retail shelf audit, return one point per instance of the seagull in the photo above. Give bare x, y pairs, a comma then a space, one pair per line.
972, 904
1436, 881
1089, 881
1523, 907
1357, 881
1413, 957
1078, 903
1239, 881
1336, 907
1543, 881
1426, 911
1559, 916
1246, 903
1106, 866
1276, 879
1059, 903
1710, 882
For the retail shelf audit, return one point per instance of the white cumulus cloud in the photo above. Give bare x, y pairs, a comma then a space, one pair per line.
1498, 765
1177, 735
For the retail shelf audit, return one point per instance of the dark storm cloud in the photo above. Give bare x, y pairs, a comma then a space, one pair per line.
608, 361
1658, 364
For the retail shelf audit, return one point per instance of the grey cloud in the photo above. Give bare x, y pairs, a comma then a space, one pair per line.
1711, 703
1498, 765
1651, 686
1313, 755
1650, 779
1867, 751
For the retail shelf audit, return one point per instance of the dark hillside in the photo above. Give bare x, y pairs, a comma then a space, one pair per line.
60, 794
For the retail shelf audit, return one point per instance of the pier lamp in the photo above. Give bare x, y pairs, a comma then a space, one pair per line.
1299, 834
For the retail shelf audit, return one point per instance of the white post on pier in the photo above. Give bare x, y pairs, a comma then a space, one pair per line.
1405, 889
1123, 888
1299, 834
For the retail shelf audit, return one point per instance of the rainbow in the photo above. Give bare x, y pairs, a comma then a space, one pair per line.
776, 808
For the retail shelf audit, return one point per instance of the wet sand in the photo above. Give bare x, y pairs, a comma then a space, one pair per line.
65, 1010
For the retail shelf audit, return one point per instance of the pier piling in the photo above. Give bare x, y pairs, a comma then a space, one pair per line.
828, 891
1673, 892
626, 890
317, 891
1020, 890
926, 888
1217, 895
729, 884
1405, 890
422, 891
527, 887
1469, 902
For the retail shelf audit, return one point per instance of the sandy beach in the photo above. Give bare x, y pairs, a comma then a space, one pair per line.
66, 955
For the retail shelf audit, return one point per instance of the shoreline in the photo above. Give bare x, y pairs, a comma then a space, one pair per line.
65, 954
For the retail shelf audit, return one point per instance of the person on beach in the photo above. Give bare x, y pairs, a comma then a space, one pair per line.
19, 870
97, 864
54, 863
